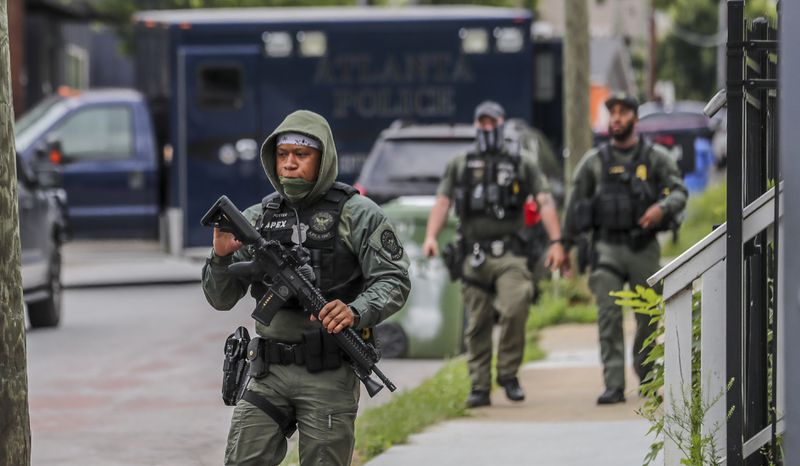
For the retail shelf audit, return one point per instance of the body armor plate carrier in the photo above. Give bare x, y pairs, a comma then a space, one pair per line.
337, 271
490, 185
626, 191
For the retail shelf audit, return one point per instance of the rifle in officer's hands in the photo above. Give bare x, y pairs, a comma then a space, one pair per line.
287, 274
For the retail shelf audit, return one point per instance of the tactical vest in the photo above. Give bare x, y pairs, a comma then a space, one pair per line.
337, 271
491, 186
626, 191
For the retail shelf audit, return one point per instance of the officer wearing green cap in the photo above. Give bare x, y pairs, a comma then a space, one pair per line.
623, 192
361, 268
488, 188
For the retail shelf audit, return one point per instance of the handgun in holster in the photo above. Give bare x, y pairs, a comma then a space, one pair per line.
235, 367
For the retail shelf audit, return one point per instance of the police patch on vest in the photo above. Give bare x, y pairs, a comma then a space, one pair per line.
391, 245
641, 172
321, 226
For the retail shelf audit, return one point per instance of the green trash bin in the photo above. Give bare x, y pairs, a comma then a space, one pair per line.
431, 324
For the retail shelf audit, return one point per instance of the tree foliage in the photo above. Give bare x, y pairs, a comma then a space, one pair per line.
688, 54
690, 67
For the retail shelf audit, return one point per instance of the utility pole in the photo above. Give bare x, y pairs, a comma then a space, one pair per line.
578, 134
16, 34
15, 430
652, 61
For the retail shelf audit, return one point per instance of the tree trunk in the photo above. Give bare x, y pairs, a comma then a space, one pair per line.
15, 436
578, 135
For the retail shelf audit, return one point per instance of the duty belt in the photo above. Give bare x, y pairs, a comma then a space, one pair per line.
277, 352
496, 247
636, 238
317, 352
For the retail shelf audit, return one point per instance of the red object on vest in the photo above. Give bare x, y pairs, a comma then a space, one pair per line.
532, 216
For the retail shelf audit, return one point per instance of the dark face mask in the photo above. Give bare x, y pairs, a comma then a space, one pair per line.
490, 141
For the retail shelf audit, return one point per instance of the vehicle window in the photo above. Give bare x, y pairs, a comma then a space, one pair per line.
36, 120
416, 160
97, 133
544, 88
24, 173
220, 87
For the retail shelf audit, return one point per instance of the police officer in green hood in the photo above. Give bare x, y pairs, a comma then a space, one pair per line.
361, 269
488, 188
623, 192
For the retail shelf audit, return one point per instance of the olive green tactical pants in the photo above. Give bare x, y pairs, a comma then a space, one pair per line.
617, 264
325, 405
512, 299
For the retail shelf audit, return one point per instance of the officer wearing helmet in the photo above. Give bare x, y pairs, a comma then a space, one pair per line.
623, 192
488, 188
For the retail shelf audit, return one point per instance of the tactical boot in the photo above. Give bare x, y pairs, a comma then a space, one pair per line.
513, 391
611, 396
478, 398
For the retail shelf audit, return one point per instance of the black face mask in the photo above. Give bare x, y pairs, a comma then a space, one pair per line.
490, 141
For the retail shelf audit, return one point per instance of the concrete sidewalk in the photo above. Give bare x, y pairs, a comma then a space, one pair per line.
558, 423
124, 262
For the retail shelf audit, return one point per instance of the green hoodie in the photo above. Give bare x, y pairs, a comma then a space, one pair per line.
310, 124
363, 227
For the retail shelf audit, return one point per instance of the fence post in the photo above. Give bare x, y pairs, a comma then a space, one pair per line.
733, 337
677, 370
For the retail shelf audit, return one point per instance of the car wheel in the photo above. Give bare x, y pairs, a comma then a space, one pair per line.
392, 340
47, 312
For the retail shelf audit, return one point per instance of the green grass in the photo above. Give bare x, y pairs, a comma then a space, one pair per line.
442, 396
439, 398
702, 212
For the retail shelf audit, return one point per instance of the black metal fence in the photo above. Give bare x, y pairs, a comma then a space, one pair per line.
752, 266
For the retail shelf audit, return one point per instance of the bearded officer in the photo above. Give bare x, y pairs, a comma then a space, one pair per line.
623, 192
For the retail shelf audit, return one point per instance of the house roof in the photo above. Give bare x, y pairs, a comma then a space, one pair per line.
611, 64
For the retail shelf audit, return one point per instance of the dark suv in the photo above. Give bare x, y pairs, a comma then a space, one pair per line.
42, 230
409, 159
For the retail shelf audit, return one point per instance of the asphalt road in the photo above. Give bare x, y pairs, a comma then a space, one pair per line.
132, 377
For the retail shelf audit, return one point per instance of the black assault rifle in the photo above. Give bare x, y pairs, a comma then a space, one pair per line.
287, 275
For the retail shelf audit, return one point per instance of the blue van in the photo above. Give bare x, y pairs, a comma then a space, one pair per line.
215, 82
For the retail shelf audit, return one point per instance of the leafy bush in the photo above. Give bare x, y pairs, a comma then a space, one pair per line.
703, 211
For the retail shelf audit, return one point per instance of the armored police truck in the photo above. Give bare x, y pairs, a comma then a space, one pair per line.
216, 82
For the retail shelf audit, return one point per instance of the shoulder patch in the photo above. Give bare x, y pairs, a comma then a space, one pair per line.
391, 245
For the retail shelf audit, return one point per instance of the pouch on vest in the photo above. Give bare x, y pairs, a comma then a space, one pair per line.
259, 365
582, 217
312, 342
331, 354
614, 211
321, 351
